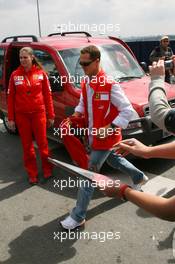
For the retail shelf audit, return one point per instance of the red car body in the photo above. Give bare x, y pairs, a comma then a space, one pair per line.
59, 54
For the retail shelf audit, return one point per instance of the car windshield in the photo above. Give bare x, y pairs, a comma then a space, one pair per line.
116, 61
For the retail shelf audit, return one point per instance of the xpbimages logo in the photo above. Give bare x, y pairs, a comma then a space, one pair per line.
71, 131
98, 236
100, 28
74, 79
81, 183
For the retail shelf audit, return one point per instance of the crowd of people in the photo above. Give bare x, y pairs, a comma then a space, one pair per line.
30, 110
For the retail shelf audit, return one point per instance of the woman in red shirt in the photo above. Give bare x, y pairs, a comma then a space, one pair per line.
30, 108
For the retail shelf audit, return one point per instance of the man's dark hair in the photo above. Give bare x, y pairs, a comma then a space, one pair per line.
93, 51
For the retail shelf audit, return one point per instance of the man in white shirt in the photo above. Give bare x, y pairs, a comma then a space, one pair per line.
106, 108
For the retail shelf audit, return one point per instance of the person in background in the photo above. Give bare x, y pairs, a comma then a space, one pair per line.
30, 109
164, 116
163, 52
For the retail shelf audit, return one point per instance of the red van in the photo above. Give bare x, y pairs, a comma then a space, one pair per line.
59, 55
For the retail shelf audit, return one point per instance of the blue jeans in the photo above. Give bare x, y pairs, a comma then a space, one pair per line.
97, 158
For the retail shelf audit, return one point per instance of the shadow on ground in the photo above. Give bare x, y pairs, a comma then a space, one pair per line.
43, 244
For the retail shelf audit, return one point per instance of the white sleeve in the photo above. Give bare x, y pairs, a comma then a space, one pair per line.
126, 111
80, 107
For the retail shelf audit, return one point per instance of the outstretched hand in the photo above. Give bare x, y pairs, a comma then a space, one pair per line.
116, 191
157, 69
112, 190
134, 147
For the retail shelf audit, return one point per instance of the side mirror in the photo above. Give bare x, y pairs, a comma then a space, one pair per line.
144, 66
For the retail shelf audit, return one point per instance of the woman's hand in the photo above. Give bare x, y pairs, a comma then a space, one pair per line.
50, 122
12, 126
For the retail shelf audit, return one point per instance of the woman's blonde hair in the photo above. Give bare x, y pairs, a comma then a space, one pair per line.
30, 52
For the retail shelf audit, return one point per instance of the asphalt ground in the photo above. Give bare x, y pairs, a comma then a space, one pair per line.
115, 231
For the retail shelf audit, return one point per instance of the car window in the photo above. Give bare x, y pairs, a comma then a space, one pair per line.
71, 60
119, 63
116, 61
49, 66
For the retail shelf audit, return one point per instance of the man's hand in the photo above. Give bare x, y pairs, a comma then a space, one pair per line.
12, 126
104, 132
77, 114
157, 69
134, 147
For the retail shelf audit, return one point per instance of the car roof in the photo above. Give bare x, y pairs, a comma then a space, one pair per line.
60, 42
65, 40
